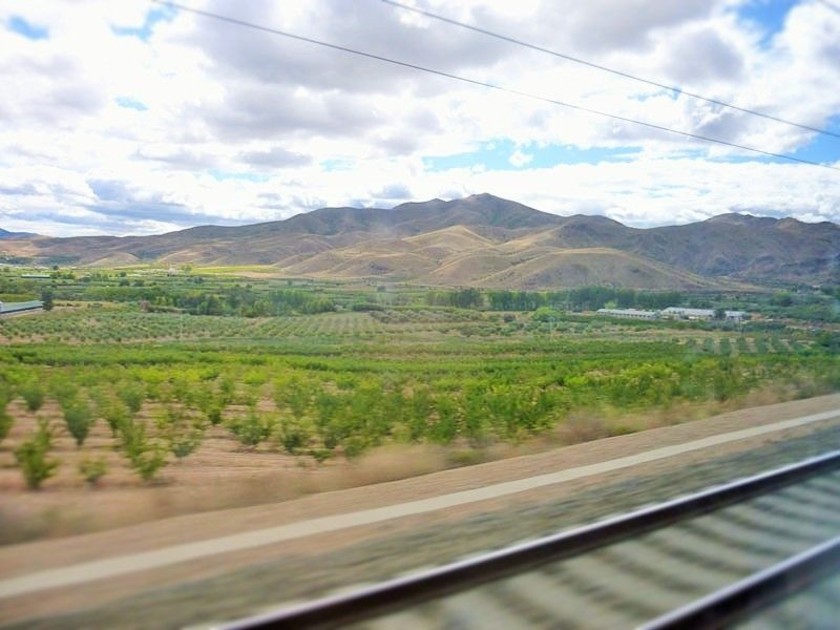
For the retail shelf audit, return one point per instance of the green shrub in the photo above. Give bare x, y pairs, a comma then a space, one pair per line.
148, 464
354, 446
293, 435
295, 394
92, 470
32, 458
64, 390
182, 434
144, 456
115, 413
252, 429
6, 420
33, 394
79, 418
211, 405
320, 455
185, 444
133, 395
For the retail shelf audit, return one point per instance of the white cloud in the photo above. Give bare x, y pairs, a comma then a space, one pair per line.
519, 158
238, 125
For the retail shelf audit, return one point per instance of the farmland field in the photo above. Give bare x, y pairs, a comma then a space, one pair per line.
103, 398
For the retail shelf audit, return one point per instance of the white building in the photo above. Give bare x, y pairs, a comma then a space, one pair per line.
678, 312
735, 316
628, 313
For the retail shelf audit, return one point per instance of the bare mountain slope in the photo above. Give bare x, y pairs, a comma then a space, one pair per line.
553, 267
749, 248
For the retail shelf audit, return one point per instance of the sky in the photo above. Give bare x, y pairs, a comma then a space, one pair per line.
132, 117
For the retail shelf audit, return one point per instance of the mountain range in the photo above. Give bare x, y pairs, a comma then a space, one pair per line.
481, 241
5, 234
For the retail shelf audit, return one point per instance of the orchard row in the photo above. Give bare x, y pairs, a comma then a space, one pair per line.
159, 401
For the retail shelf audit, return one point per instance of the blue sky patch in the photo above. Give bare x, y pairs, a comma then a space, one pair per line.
769, 15
497, 155
131, 103
821, 149
18, 25
672, 94
338, 164
144, 32
221, 175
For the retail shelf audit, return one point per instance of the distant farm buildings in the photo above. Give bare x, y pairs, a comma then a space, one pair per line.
735, 316
674, 312
628, 313
678, 312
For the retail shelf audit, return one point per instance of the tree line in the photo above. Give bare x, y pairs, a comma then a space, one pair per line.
579, 299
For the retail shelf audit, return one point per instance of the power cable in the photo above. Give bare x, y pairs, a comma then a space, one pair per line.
620, 73
492, 86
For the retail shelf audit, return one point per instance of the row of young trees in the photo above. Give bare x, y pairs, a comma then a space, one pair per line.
321, 413
80, 410
235, 300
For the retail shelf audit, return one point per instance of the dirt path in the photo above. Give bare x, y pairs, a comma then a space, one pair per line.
93, 567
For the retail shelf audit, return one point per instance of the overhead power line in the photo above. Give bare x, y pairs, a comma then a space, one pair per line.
485, 84
619, 73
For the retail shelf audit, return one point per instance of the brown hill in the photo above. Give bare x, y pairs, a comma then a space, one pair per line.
482, 241
757, 249
546, 267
